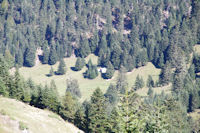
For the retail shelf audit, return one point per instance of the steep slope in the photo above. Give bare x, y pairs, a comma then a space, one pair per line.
17, 117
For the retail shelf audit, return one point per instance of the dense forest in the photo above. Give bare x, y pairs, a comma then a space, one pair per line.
124, 34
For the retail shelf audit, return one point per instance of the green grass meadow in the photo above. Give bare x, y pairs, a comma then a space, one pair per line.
38, 74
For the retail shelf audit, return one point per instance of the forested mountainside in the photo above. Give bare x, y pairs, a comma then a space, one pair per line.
121, 32
124, 34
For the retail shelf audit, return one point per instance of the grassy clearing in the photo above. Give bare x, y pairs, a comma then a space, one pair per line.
195, 114
33, 119
197, 48
39, 72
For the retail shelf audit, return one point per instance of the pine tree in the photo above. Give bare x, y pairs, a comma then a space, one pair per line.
121, 81
191, 71
68, 107
92, 71
139, 83
150, 91
45, 56
73, 87
51, 72
80, 63
61, 68
29, 56
19, 58
5, 78
50, 98
109, 71
150, 82
3, 88
52, 56
97, 113
112, 95
79, 119
165, 76
131, 113
16, 91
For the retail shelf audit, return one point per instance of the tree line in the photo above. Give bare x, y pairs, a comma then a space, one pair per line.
120, 109
121, 33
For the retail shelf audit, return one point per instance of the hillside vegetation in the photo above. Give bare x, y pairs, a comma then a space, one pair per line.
15, 114
39, 73
146, 50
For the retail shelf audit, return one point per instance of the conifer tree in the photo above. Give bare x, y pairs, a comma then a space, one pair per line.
150, 82
45, 56
19, 58
139, 83
61, 68
150, 91
29, 56
122, 81
51, 72
97, 113
16, 91
92, 71
73, 87
130, 113
68, 107
52, 56
165, 76
109, 71
80, 63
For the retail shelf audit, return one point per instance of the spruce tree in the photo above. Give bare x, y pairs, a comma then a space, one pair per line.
150, 91
80, 63
109, 71
68, 107
92, 71
16, 91
51, 72
19, 58
52, 56
29, 56
165, 76
97, 113
150, 82
139, 83
45, 56
121, 81
73, 87
61, 68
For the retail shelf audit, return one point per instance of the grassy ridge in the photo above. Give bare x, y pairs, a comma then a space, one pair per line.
15, 115
38, 74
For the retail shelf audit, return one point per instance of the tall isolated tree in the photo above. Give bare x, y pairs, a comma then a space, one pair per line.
61, 68
80, 63
73, 87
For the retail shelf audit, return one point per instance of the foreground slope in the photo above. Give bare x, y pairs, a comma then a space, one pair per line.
16, 116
